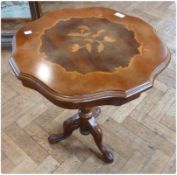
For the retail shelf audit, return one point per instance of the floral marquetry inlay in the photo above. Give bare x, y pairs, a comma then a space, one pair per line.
89, 45
89, 37
82, 57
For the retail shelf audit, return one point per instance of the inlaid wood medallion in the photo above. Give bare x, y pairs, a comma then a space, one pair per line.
89, 44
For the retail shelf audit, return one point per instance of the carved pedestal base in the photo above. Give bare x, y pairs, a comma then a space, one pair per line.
85, 121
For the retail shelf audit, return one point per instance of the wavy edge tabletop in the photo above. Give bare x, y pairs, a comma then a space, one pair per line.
91, 88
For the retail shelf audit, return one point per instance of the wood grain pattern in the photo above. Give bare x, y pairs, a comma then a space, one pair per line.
89, 45
129, 56
72, 154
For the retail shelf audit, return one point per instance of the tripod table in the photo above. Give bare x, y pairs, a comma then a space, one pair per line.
88, 57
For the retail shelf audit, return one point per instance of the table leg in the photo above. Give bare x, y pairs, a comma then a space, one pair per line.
85, 120
68, 127
96, 132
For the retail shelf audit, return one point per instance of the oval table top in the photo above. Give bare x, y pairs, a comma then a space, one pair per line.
87, 54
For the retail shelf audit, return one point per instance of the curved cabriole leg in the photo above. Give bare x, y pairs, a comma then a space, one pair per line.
68, 127
96, 132
85, 120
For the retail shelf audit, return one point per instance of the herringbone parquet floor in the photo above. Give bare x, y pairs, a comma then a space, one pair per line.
141, 134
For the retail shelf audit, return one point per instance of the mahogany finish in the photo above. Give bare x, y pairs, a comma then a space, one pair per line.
85, 120
89, 45
88, 57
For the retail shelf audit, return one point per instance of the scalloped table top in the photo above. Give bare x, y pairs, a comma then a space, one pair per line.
87, 54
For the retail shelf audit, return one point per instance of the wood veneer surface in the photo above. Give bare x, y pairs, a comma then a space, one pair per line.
88, 54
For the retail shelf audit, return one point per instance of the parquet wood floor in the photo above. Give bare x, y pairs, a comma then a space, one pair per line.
142, 134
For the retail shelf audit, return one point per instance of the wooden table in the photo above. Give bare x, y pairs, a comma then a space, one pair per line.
88, 57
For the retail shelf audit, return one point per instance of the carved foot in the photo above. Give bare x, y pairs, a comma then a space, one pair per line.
55, 138
108, 156
68, 127
96, 132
